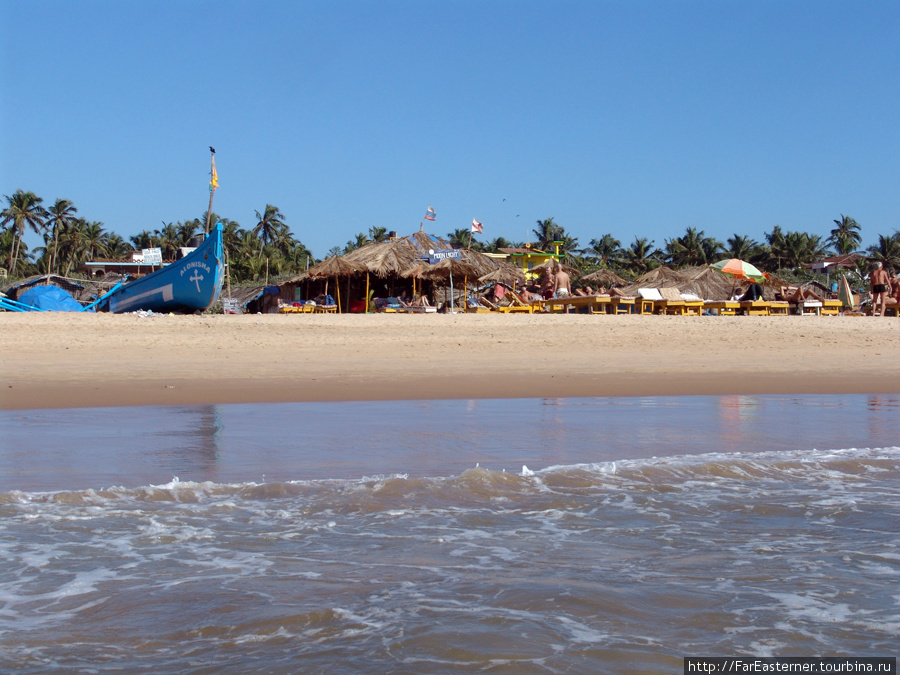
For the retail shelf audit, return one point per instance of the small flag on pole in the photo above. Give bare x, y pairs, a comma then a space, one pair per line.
214, 183
430, 214
477, 227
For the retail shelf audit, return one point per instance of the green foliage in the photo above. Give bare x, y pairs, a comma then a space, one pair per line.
69, 241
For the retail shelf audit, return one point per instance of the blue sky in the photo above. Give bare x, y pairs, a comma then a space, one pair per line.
628, 117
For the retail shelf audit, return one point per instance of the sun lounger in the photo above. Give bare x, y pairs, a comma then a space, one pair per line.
671, 303
778, 308
647, 299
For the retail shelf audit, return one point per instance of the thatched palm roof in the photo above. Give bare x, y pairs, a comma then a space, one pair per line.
606, 277
335, 266
705, 282
661, 277
505, 273
400, 255
448, 266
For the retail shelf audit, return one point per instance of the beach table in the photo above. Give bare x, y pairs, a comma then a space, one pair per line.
693, 307
808, 308
831, 307
594, 304
296, 309
723, 308
621, 304
755, 307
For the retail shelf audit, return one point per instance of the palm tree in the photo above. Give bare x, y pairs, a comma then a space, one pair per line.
116, 247
22, 208
267, 222
60, 218
143, 239
495, 245
639, 256
300, 257
604, 249
692, 248
378, 233
777, 252
801, 248
845, 237
168, 239
359, 241
187, 230
741, 247
94, 239
547, 232
887, 250
459, 238
7, 239
283, 239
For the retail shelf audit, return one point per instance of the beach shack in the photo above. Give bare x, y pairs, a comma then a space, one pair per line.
528, 257
386, 268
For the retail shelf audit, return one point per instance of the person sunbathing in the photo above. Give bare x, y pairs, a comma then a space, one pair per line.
798, 294
892, 299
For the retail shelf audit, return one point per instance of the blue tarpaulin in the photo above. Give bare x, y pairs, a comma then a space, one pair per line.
50, 298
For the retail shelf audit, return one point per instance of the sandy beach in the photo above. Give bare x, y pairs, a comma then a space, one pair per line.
71, 360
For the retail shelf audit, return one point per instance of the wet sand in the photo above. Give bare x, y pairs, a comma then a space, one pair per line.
71, 360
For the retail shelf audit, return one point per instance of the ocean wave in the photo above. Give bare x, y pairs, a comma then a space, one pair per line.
483, 484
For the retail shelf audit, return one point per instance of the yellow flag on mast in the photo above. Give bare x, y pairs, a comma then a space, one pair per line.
214, 183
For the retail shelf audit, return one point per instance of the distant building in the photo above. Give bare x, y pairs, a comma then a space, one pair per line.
828, 265
135, 266
529, 257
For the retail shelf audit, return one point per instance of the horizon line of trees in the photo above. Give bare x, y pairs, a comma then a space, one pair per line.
269, 247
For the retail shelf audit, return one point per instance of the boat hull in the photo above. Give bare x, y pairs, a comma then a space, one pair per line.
191, 284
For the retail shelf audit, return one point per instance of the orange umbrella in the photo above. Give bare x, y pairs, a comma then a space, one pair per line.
740, 270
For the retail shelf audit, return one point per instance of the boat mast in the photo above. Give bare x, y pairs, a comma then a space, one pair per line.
213, 184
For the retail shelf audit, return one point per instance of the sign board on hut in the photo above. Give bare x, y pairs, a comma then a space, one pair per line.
443, 254
152, 256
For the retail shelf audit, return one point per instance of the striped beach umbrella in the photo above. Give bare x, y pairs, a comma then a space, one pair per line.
740, 270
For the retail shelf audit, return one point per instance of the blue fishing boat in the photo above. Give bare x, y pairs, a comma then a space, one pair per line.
188, 285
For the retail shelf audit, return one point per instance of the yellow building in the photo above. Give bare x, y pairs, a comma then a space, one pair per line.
529, 257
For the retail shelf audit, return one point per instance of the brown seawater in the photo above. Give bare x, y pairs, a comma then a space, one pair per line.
560, 535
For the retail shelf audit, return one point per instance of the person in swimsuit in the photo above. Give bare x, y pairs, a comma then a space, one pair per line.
880, 283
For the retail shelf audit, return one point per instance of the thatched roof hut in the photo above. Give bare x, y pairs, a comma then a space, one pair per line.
606, 277
393, 262
661, 277
387, 258
705, 282
335, 266
505, 274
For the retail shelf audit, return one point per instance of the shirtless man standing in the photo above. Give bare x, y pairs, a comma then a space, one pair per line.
880, 284
561, 286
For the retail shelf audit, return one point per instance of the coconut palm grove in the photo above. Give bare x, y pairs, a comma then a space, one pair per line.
266, 248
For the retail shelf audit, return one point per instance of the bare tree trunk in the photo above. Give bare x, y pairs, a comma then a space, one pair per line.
15, 255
